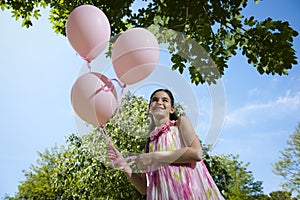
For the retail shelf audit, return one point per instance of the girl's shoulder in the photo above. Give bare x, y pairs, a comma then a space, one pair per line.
182, 121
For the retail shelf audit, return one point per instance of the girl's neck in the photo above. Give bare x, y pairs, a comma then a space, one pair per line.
161, 121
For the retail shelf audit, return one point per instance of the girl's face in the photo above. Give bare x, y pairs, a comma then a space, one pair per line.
161, 105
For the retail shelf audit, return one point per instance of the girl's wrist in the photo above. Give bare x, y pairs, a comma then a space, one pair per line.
127, 169
153, 157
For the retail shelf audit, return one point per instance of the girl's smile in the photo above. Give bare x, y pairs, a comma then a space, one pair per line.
161, 105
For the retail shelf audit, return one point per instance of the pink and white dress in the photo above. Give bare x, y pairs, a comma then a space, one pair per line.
185, 181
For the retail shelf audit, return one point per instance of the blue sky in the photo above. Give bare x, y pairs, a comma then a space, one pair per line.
38, 69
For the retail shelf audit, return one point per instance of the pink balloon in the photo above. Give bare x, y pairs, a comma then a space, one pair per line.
88, 31
92, 99
135, 55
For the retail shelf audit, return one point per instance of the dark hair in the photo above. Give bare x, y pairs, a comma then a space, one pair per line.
173, 116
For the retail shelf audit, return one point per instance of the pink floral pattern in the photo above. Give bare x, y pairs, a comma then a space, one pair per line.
173, 182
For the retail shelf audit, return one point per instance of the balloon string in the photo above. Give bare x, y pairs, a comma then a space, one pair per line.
88, 63
130, 159
105, 134
122, 86
105, 88
115, 161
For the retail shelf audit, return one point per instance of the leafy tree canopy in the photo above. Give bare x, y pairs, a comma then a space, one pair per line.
232, 177
288, 164
216, 25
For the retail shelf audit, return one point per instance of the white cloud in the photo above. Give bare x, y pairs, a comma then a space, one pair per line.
289, 101
251, 114
254, 92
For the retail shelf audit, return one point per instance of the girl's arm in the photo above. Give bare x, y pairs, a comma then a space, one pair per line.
192, 152
138, 180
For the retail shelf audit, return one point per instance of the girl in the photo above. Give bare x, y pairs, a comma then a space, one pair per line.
172, 164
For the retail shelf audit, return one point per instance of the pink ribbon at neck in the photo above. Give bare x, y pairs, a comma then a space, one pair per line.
158, 131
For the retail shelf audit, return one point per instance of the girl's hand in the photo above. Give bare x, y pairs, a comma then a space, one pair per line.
147, 162
115, 156
118, 161
113, 153
143, 161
